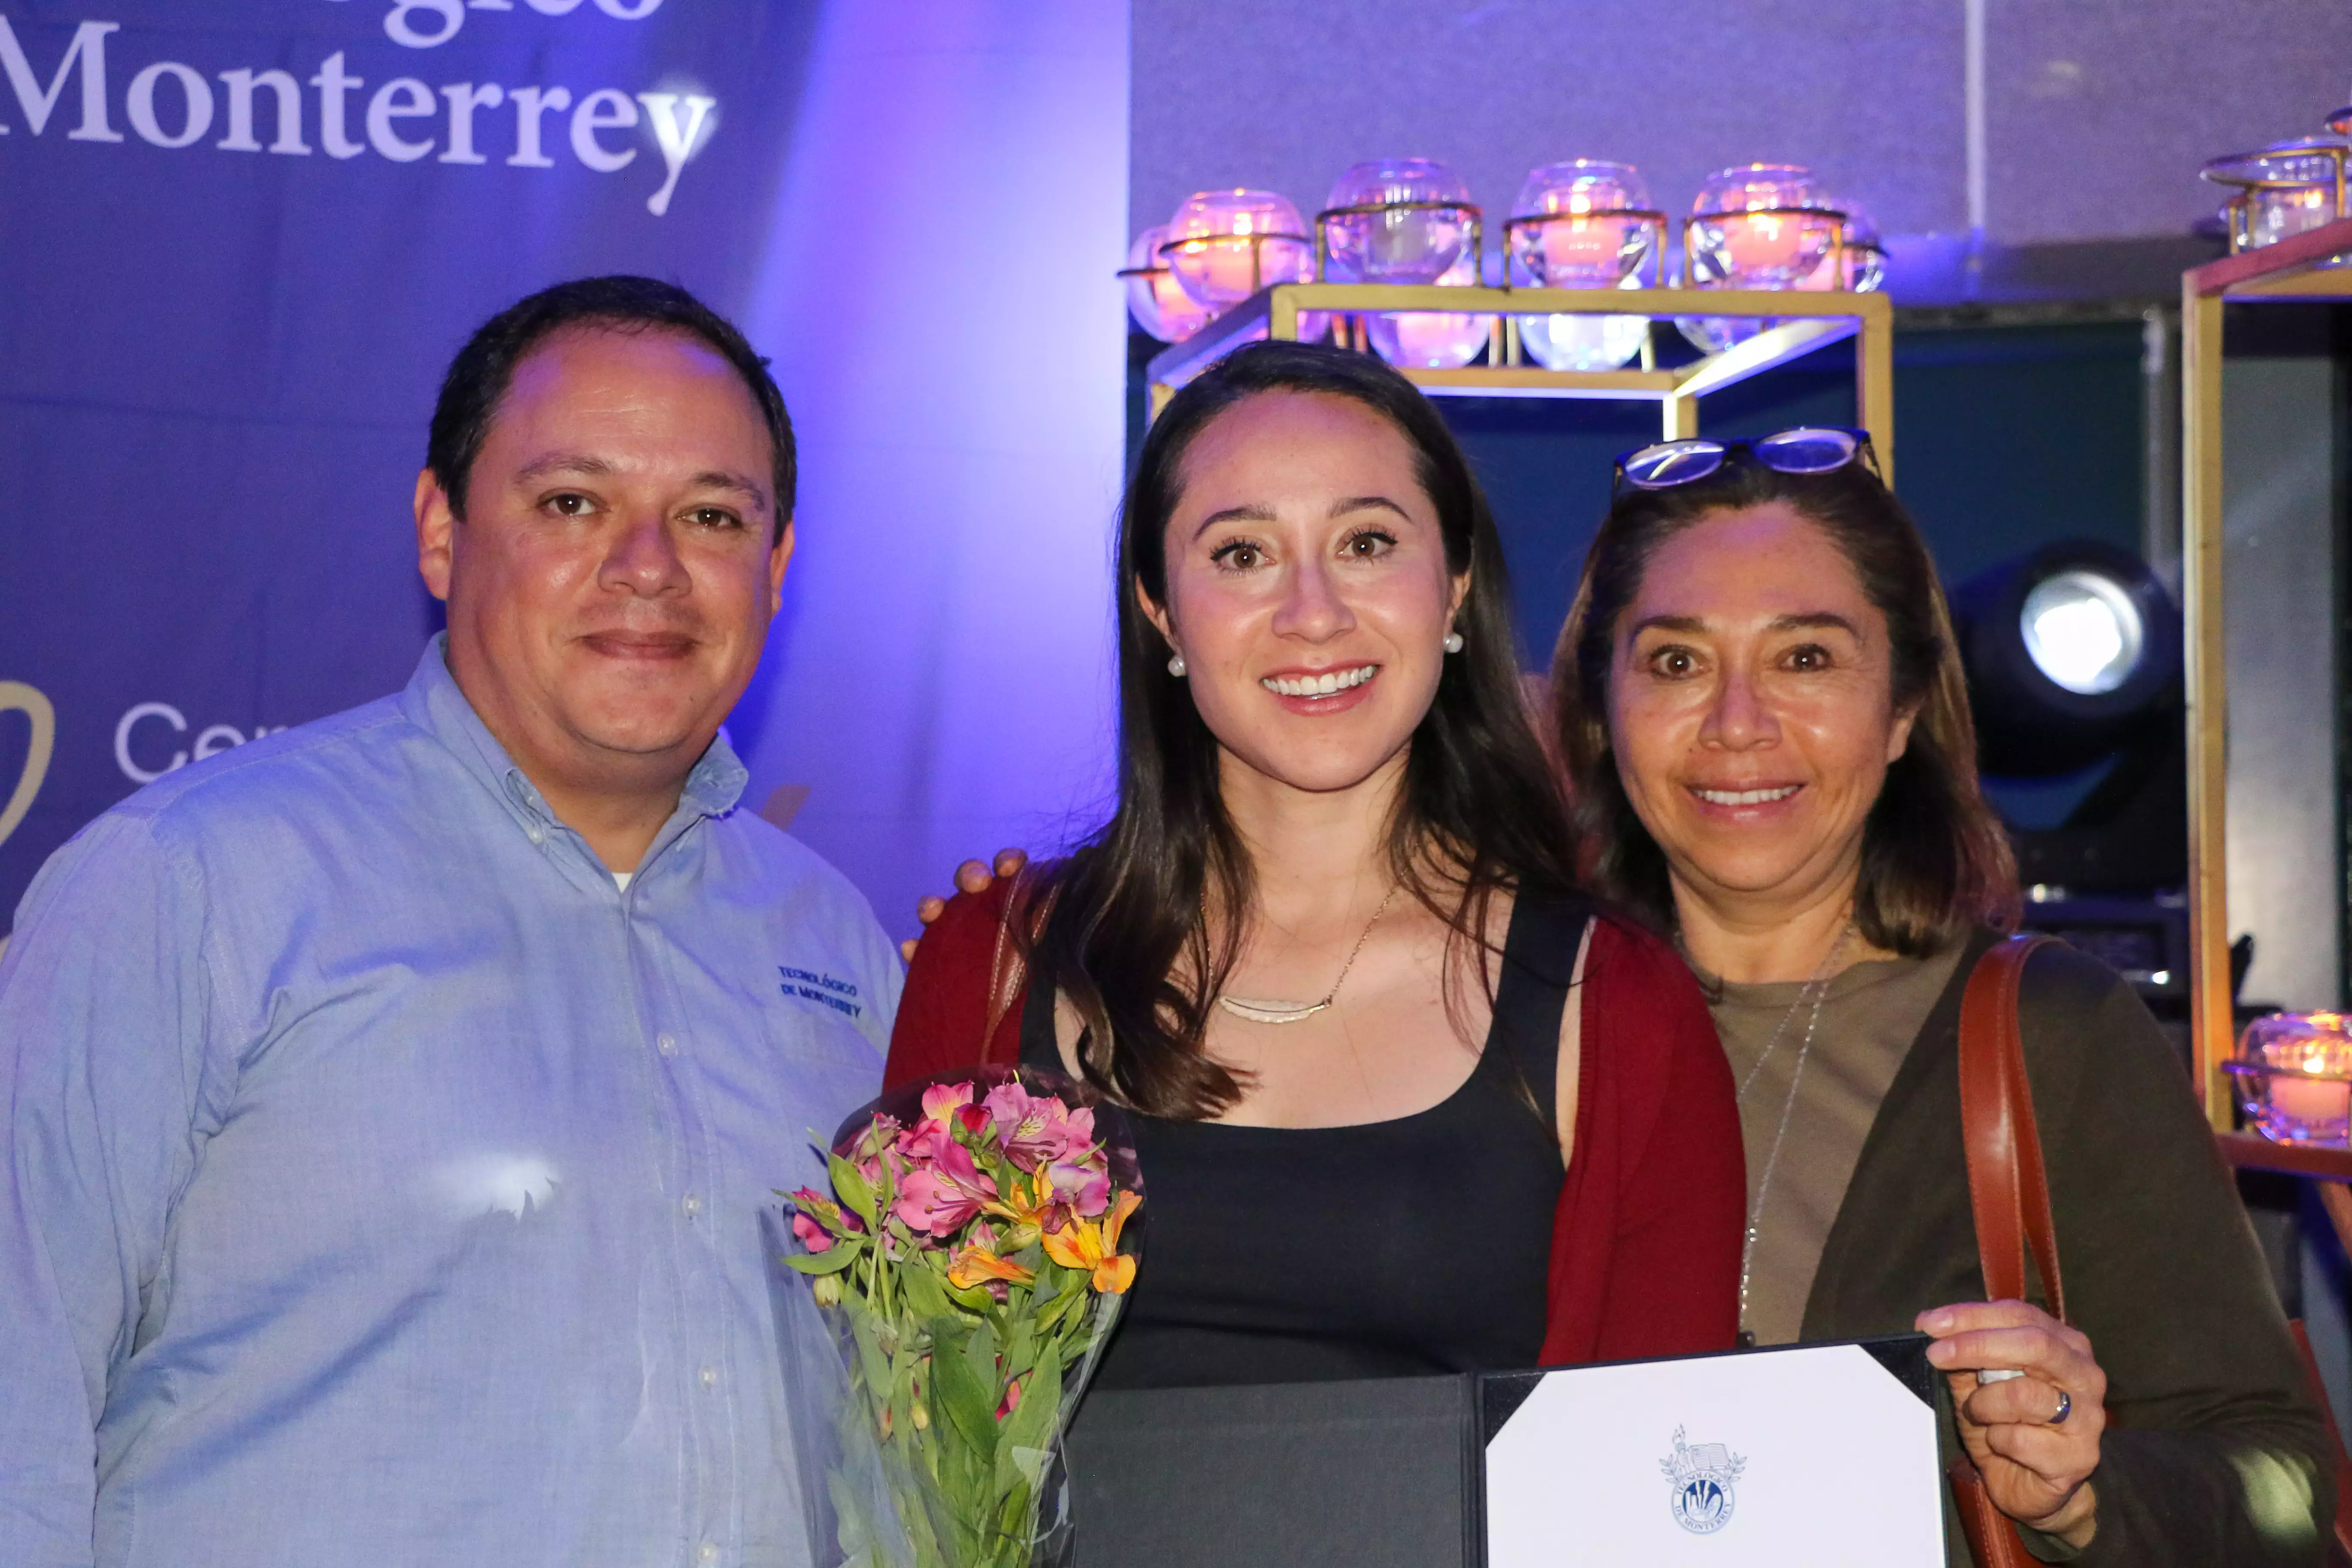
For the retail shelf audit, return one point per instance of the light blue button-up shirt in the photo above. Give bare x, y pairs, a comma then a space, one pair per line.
380, 1184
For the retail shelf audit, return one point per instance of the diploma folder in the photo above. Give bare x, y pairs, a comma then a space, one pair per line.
1794, 1457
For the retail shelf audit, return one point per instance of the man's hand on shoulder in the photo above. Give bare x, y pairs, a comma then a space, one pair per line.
971, 876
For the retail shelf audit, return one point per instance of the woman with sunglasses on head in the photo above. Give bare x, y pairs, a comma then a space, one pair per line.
1767, 731
1404, 1103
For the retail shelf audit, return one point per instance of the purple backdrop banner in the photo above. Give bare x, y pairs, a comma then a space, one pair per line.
243, 237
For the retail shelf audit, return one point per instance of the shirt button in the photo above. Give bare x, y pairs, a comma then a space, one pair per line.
535, 834
693, 1205
667, 1045
708, 1553
709, 1378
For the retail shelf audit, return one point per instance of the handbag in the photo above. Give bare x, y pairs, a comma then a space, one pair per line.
2008, 1193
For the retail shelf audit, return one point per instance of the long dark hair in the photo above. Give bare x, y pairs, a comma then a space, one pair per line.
1934, 861
1128, 940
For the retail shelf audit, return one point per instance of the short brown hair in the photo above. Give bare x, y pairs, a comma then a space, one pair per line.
1935, 859
478, 379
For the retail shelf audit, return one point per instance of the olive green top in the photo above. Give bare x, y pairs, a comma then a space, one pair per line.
2215, 1452
1870, 1013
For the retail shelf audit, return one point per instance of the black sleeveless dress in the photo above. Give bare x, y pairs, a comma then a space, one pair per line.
1392, 1249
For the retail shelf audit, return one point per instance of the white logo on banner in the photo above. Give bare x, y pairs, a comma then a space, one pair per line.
172, 105
210, 741
401, 22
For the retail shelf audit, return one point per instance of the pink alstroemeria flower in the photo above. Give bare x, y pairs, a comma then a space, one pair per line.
943, 1191
1081, 1180
920, 1144
819, 1221
813, 1235
942, 1098
1037, 1129
875, 1145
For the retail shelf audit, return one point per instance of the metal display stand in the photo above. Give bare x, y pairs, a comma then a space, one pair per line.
2292, 269
1803, 321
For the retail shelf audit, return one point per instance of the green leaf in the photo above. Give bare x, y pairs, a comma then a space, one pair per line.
975, 1296
1012, 1511
966, 1397
1033, 1421
902, 1394
853, 1190
981, 1351
831, 1261
872, 1361
1020, 1345
927, 1293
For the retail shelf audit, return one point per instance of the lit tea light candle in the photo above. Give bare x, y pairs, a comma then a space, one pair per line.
1584, 224
2293, 1073
1224, 246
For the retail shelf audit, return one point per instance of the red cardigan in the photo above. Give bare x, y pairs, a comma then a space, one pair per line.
1646, 1239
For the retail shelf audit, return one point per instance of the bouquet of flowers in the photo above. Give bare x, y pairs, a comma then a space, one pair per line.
970, 1261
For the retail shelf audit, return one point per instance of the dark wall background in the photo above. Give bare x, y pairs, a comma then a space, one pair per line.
2005, 438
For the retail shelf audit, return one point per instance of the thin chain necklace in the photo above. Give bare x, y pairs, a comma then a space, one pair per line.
1265, 1012
1816, 991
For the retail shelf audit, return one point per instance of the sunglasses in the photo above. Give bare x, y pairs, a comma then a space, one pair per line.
1807, 450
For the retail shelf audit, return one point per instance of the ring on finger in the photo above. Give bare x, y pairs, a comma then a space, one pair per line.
2065, 1408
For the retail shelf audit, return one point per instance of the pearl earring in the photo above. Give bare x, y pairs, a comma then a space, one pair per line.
1176, 664
1454, 642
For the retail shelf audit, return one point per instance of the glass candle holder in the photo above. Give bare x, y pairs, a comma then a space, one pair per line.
1406, 220
1225, 245
1398, 220
1857, 263
2282, 190
2293, 1077
1431, 340
1154, 298
1584, 224
1758, 226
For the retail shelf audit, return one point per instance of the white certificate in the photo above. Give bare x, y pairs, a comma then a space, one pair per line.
1804, 1457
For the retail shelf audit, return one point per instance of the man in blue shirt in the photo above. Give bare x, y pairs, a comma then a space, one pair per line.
388, 1109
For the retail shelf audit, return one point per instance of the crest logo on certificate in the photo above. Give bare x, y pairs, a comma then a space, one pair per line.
1702, 1477
1798, 1457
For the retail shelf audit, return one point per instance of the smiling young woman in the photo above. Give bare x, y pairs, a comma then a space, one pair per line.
1405, 1102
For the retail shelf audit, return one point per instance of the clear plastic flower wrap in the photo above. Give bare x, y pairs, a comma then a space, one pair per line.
946, 1303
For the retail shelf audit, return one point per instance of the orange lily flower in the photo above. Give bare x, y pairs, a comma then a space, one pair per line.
1024, 1208
975, 1265
1082, 1244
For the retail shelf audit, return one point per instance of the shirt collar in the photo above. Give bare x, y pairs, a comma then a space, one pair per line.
435, 704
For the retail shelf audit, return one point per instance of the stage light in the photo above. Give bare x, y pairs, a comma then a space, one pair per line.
1406, 220
2073, 656
1584, 224
2083, 630
2283, 188
1154, 298
2069, 651
1225, 245
1758, 226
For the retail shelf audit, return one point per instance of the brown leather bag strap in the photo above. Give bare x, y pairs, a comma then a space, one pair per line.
2008, 1189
